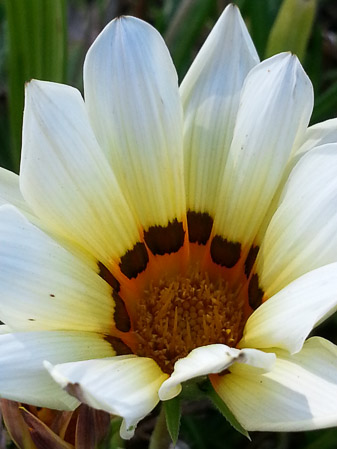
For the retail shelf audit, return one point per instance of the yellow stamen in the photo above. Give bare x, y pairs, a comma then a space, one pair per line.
179, 313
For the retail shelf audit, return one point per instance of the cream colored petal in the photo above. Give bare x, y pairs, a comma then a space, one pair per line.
10, 194
302, 234
287, 318
23, 377
316, 135
275, 108
66, 179
125, 385
131, 93
210, 359
10, 191
44, 287
210, 94
297, 394
4, 329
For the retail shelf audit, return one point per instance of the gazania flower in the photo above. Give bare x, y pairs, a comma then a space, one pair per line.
157, 235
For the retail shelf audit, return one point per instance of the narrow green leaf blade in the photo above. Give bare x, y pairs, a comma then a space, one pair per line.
224, 410
173, 416
37, 43
292, 28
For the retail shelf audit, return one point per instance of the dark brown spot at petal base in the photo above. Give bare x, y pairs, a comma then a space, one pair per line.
165, 239
134, 261
252, 255
225, 253
108, 277
118, 345
121, 316
255, 293
199, 227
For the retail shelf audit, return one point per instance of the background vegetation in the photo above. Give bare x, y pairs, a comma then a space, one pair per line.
47, 39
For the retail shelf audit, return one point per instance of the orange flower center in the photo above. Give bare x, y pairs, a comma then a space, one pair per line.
177, 291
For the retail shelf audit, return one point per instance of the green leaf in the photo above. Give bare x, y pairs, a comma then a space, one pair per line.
325, 440
224, 410
325, 104
292, 28
314, 63
113, 439
260, 16
37, 49
173, 416
186, 24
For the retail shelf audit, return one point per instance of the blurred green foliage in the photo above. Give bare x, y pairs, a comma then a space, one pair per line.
292, 27
47, 39
36, 37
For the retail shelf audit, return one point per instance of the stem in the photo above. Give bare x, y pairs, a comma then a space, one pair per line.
160, 438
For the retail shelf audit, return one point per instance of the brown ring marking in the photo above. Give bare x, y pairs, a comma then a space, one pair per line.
121, 316
118, 345
255, 293
165, 239
251, 257
134, 261
225, 253
108, 277
199, 227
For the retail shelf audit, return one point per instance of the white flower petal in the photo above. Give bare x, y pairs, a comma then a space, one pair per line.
10, 194
275, 108
210, 359
125, 385
44, 287
10, 191
23, 377
210, 93
65, 177
316, 135
302, 233
131, 92
287, 318
4, 329
297, 394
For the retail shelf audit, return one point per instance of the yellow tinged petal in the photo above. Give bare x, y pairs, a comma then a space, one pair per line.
132, 97
65, 177
275, 107
296, 395
124, 385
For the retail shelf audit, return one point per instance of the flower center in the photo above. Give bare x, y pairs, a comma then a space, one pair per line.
176, 315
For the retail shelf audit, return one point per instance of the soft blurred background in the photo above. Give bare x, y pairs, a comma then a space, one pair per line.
48, 39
